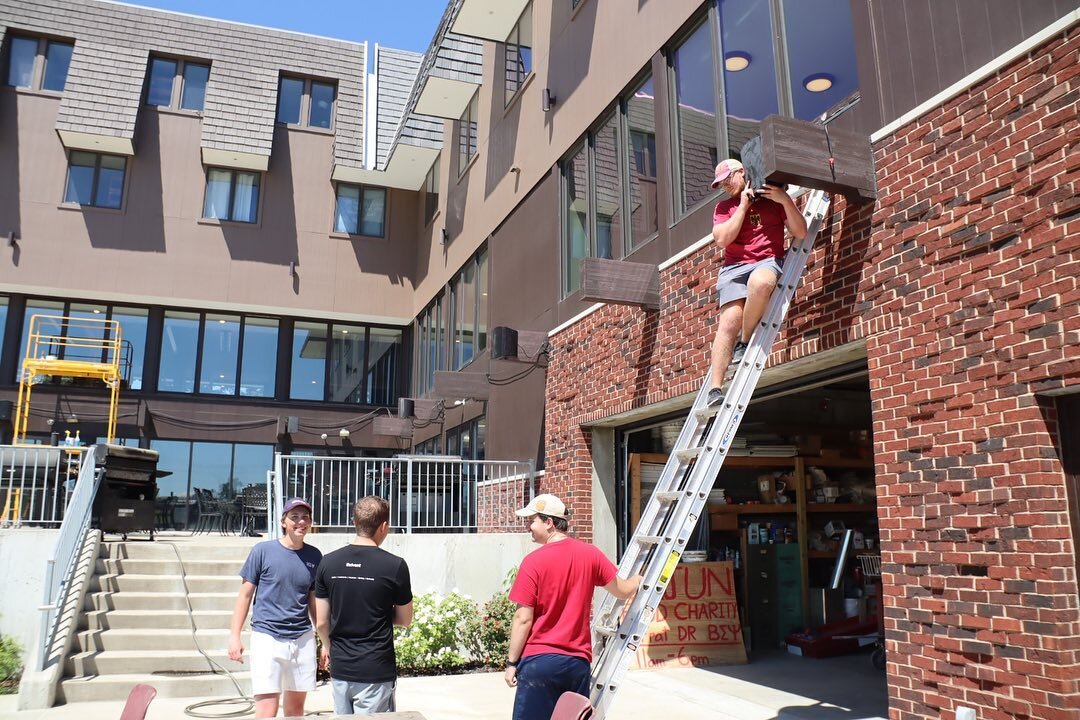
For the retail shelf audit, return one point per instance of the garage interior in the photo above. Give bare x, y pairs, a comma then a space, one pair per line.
799, 475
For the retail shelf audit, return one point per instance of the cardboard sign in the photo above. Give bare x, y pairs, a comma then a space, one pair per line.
698, 621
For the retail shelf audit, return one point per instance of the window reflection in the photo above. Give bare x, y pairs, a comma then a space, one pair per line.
384, 345
576, 212
347, 364
828, 51
179, 345
133, 338
307, 379
746, 35
220, 351
609, 224
695, 115
38, 307
641, 159
259, 365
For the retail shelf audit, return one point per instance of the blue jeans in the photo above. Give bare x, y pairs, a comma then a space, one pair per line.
541, 679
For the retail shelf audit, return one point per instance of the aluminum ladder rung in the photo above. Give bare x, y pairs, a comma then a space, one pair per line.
708, 411
668, 496
650, 539
688, 454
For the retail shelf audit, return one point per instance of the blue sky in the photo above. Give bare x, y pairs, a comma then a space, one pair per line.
401, 24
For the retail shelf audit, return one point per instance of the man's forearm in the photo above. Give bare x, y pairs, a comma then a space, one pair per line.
519, 633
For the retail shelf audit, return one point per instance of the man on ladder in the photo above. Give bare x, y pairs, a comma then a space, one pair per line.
749, 225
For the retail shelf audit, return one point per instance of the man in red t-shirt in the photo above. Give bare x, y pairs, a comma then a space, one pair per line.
749, 225
550, 640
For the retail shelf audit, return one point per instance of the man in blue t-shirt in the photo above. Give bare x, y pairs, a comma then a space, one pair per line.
282, 635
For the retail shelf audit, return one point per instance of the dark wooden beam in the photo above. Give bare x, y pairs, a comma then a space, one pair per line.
394, 426
460, 385
425, 410
796, 151
530, 342
620, 283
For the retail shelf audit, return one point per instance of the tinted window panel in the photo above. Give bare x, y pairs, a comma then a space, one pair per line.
823, 60
133, 336
347, 213
220, 352
696, 115
259, 364
347, 364
57, 61
308, 361
162, 73
194, 93
211, 468
218, 189
576, 207
110, 187
290, 91
246, 198
179, 347
374, 212
21, 55
80, 184
384, 346
641, 119
322, 105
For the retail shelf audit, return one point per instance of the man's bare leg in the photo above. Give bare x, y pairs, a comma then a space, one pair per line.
759, 288
727, 331
294, 703
266, 705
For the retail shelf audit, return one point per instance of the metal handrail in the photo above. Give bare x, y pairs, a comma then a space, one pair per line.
61, 564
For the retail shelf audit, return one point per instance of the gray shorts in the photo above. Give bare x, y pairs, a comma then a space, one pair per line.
731, 282
356, 698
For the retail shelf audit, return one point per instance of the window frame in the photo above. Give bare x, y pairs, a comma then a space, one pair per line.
306, 103
179, 82
429, 325
363, 188
431, 189
40, 62
233, 172
468, 137
479, 263
95, 182
521, 79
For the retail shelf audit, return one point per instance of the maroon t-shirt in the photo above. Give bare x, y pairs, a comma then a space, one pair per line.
761, 235
557, 581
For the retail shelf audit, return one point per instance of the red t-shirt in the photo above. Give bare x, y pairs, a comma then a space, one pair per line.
557, 580
761, 235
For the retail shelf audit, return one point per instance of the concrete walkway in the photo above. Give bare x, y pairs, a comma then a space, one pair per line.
778, 687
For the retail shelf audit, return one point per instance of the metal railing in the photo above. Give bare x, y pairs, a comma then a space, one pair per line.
61, 564
36, 482
426, 493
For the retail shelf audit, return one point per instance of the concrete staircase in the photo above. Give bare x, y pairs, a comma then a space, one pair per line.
136, 628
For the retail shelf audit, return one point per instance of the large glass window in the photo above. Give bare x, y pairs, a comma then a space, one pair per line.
177, 84
347, 364
259, 365
87, 339
211, 468
306, 102
360, 210
821, 63
250, 464
308, 377
231, 195
38, 307
3, 319
222, 468
431, 192
179, 352
174, 456
467, 132
468, 439
220, 352
430, 346
695, 116
519, 54
133, 338
95, 179
465, 307
608, 198
384, 349
641, 161
575, 192
37, 63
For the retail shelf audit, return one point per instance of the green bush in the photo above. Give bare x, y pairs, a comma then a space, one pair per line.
437, 641
489, 634
10, 665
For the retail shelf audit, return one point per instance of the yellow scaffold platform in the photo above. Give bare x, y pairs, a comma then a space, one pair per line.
70, 347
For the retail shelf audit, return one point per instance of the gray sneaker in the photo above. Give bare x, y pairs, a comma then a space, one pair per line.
738, 353
716, 397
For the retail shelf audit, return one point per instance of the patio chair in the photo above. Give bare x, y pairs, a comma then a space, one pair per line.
210, 515
138, 701
252, 507
572, 706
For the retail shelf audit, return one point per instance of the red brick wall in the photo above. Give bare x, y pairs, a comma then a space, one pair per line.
971, 291
962, 280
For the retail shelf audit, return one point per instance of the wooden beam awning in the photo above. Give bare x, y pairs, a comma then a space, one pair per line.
620, 283
798, 152
460, 385
393, 426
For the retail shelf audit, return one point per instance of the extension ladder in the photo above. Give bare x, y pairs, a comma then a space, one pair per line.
669, 518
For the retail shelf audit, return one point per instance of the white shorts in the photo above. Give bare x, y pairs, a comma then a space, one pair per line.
281, 665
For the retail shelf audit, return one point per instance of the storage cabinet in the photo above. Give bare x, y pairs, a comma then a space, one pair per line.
774, 582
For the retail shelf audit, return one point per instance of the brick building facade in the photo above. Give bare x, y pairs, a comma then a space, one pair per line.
961, 281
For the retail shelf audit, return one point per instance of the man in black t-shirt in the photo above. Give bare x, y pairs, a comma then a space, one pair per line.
361, 592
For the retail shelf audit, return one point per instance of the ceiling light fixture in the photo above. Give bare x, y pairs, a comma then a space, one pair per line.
818, 82
736, 60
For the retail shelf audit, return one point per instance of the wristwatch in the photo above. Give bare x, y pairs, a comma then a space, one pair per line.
513, 663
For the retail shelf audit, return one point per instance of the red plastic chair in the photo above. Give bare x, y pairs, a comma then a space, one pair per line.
572, 706
138, 701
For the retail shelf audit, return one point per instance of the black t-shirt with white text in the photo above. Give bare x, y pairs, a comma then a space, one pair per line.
363, 584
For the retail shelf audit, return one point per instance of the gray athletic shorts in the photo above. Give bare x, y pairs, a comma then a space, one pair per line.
731, 282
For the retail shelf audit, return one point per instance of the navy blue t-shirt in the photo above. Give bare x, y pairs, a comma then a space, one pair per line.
283, 579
